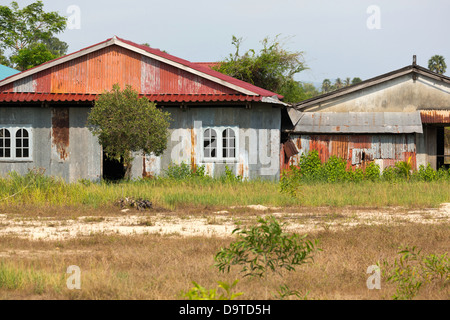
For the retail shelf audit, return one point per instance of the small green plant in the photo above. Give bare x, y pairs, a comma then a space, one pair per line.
201, 293
413, 270
265, 247
403, 169
372, 172
229, 176
184, 171
286, 292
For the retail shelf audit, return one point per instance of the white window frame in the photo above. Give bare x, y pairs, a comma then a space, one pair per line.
13, 129
219, 131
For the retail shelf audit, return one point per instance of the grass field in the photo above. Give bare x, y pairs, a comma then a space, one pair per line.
155, 265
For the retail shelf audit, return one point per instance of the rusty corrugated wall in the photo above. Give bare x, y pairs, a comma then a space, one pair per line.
100, 70
357, 150
435, 116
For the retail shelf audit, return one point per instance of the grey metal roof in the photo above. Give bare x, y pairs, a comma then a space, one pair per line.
358, 122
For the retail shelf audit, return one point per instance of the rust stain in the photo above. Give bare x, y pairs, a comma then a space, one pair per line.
193, 147
60, 131
241, 169
145, 174
435, 116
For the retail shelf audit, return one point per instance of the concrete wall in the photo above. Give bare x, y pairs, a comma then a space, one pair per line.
402, 94
258, 141
62, 144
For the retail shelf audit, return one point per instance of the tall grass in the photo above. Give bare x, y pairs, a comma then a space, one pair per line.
40, 191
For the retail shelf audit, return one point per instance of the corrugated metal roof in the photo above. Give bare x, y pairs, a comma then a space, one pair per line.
48, 97
359, 122
435, 116
6, 72
94, 69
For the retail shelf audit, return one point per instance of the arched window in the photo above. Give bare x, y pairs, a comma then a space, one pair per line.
22, 143
210, 143
5, 143
228, 143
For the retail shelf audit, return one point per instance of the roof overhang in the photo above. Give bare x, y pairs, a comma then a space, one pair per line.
358, 122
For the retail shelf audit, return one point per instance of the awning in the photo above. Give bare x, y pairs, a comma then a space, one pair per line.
358, 122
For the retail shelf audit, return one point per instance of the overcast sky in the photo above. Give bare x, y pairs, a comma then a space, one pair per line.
339, 38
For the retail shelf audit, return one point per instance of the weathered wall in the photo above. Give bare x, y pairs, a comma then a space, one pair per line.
64, 147
258, 149
357, 150
402, 94
62, 144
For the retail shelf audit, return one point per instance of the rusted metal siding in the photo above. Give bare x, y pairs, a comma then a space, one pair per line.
100, 70
357, 150
435, 116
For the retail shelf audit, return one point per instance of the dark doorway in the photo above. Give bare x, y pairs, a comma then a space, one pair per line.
443, 147
113, 169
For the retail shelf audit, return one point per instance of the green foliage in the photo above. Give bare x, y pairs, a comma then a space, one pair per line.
28, 33
272, 68
403, 169
413, 270
372, 172
32, 56
310, 169
201, 293
265, 247
285, 292
126, 123
327, 86
229, 176
437, 64
184, 171
335, 169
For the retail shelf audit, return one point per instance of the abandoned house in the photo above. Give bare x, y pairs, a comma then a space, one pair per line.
401, 115
218, 121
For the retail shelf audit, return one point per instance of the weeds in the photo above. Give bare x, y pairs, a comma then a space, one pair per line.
413, 270
311, 170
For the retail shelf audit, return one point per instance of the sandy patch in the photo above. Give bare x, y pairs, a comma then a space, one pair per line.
219, 224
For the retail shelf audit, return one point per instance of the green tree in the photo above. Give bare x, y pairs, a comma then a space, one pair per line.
326, 85
272, 68
356, 80
347, 81
32, 56
295, 91
338, 83
437, 64
126, 123
56, 46
24, 29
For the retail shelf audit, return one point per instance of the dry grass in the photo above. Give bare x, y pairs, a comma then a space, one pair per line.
161, 267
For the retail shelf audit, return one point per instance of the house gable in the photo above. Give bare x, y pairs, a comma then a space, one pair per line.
95, 69
406, 90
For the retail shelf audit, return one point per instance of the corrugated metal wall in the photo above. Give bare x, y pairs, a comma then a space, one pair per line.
357, 150
100, 70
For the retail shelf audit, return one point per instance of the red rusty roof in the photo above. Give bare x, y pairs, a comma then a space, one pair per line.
78, 97
81, 75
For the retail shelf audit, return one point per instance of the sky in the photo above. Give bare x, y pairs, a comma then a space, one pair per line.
338, 38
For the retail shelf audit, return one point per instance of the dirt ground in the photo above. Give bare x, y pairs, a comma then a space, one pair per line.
218, 223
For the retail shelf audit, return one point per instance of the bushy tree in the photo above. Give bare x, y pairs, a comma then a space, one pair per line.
272, 68
28, 34
126, 123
